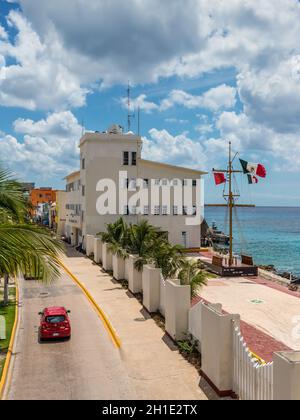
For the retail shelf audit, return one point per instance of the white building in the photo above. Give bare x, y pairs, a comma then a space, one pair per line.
111, 155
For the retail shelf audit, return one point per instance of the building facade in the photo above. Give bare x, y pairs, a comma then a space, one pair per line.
111, 165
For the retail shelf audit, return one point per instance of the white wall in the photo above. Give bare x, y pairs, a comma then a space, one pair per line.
178, 302
287, 376
97, 250
107, 262
217, 347
151, 288
135, 283
118, 268
195, 320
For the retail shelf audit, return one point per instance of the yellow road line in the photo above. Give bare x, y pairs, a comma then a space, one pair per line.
262, 361
109, 328
11, 345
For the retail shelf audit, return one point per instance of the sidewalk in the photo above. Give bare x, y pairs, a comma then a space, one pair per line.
154, 365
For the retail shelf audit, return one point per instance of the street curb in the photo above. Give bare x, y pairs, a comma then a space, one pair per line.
11, 345
109, 328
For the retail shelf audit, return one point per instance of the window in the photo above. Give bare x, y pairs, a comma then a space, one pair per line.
157, 182
125, 158
83, 190
175, 210
133, 210
132, 184
126, 184
56, 319
165, 211
165, 182
184, 239
83, 164
157, 211
185, 182
194, 182
146, 183
133, 158
175, 183
146, 210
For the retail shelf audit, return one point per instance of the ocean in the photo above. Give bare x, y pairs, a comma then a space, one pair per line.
270, 234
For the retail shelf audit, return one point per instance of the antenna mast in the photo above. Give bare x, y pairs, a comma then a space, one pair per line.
129, 116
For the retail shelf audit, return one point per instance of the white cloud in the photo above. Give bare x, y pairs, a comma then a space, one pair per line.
248, 137
222, 96
57, 60
3, 33
140, 102
39, 78
161, 146
176, 121
48, 149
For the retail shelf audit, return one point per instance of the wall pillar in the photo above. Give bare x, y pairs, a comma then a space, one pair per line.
89, 245
135, 283
151, 288
106, 258
97, 250
217, 349
287, 376
178, 303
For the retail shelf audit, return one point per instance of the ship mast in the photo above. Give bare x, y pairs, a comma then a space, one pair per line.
231, 205
231, 198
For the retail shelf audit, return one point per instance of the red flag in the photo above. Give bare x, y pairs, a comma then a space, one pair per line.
219, 178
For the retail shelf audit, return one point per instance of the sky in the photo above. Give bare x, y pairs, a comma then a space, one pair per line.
202, 72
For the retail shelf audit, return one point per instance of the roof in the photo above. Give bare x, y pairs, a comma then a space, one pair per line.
72, 174
178, 168
55, 310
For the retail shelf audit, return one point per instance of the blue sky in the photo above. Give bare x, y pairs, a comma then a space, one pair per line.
207, 73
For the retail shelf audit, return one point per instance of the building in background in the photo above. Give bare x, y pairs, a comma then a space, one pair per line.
27, 187
41, 200
60, 213
103, 156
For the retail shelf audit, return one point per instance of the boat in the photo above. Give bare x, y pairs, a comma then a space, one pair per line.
217, 236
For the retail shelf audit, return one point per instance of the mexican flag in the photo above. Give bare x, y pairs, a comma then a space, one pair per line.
252, 179
253, 168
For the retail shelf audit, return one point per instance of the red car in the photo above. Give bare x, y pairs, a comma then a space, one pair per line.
55, 323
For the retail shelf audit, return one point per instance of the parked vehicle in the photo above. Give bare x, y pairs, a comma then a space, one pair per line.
54, 324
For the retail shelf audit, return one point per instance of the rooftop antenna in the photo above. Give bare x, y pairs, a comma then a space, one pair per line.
82, 127
139, 121
129, 116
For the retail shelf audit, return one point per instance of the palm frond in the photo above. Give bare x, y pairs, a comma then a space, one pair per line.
28, 248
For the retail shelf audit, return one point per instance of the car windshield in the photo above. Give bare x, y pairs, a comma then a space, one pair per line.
55, 319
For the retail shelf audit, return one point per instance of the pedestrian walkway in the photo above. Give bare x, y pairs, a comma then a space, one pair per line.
154, 365
270, 315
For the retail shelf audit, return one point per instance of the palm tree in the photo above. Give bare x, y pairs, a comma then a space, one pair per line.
167, 257
115, 232
191, 274
142, 240
24, 248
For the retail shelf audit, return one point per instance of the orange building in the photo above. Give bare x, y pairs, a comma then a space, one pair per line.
42, 195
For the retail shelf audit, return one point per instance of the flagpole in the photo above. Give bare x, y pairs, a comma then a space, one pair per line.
231, 204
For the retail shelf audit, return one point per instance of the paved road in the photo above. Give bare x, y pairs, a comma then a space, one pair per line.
87, 367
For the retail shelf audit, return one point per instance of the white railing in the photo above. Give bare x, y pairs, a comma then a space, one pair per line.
252, 380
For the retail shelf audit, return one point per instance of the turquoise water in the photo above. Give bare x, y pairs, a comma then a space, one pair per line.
270, 234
